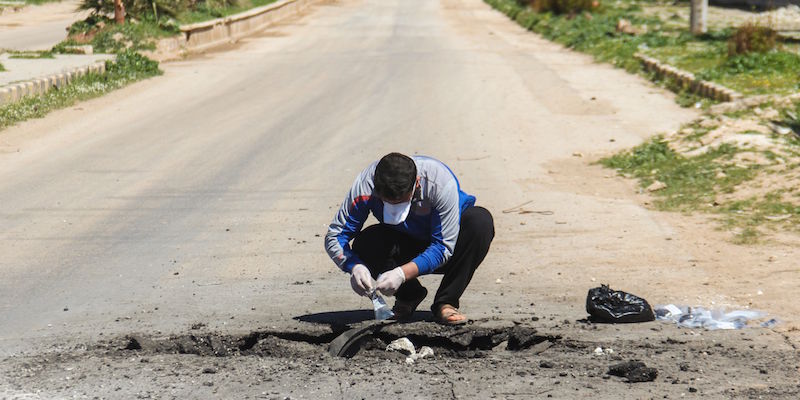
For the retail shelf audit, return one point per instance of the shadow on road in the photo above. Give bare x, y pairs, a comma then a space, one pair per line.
350, 317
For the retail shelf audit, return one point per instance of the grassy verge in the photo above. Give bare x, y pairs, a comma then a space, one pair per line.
128, 67
147, 22
597, 33
107, 37
34, 54
204, 12
742, 168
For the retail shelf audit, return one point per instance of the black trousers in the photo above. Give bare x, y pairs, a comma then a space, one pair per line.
382, 248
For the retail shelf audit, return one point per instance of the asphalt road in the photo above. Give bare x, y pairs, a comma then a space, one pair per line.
205, 193
198, 201
38, 27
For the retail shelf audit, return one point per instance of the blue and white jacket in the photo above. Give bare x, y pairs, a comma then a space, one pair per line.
435, 215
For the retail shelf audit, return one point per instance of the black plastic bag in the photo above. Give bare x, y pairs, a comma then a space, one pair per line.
614, 306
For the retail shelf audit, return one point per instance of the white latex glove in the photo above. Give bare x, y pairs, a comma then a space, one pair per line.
361, 280
390, 281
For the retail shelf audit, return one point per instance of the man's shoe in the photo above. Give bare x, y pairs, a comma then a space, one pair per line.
449, 315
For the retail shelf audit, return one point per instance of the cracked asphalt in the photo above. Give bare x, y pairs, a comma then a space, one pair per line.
193, 205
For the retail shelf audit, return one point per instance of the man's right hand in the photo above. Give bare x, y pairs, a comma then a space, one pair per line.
361, 280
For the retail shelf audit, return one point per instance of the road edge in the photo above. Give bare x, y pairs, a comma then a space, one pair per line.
39, 86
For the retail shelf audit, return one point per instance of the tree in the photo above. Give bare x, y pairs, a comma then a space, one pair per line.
119, 12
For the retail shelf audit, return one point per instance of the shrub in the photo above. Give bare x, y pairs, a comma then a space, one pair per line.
139, 9
752, 38
129, 62
562, 6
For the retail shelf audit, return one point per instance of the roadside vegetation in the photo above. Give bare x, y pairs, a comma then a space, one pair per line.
146, 21
742, 166
750, 59
740, 163
107, 37
19, 4
128, 67
30, 54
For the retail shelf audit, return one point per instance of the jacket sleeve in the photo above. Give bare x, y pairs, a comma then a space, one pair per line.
445, 224
349, 220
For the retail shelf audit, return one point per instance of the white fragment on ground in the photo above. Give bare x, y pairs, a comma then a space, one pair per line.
423, 352
778, 217
770, 114
749, 132
656, 186
626, 27
402, 345
708, 123
599, 351
498, 280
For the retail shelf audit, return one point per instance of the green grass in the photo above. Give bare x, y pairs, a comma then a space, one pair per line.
128, 67
693, 184
114, 38
143, 34
203, 13
35, 54
713, 182
38, 2
596, 33
2, 68
776, 72
751, 217
693, 56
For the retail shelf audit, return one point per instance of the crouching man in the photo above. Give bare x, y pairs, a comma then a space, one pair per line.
426, 225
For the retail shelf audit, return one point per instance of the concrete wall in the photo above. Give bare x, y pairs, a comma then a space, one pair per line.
212, 33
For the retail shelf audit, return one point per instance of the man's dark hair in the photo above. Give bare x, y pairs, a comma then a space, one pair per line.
395, 176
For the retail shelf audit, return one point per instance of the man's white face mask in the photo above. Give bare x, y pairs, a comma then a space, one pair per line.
394, 214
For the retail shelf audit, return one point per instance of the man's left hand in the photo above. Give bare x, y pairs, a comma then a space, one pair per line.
390, 281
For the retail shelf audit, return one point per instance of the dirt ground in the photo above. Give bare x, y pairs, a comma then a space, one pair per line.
246, 310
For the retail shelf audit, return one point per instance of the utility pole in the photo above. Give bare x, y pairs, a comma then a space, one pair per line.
698, 17
119, 12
